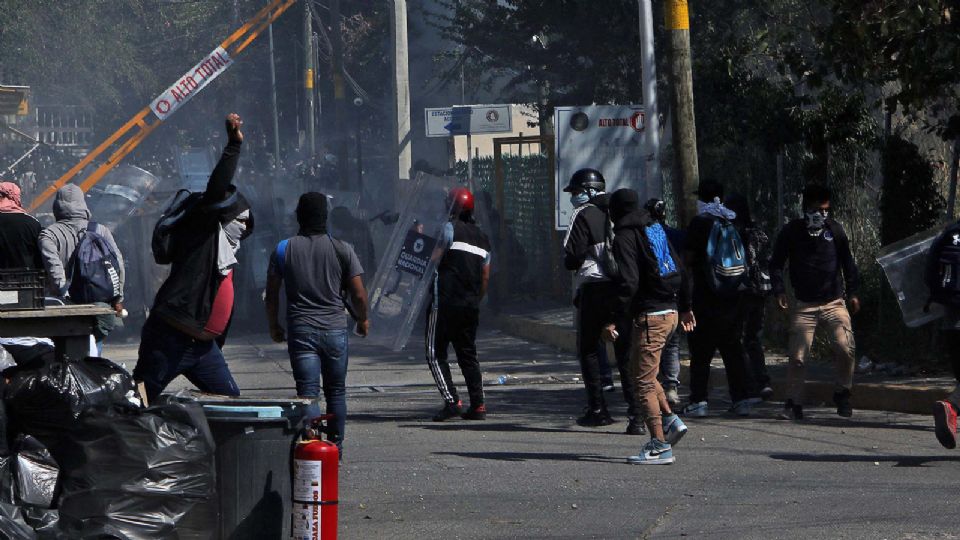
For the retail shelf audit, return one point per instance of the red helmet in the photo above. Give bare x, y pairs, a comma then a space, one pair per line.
460, 200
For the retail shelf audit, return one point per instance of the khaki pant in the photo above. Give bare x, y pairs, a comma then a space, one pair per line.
803, 324
650, 334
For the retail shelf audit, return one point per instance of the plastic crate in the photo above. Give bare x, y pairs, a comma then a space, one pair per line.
21, 289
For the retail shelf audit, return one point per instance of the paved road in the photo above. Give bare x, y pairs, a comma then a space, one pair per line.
530, 472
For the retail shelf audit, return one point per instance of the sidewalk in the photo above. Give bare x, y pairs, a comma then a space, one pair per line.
552, 325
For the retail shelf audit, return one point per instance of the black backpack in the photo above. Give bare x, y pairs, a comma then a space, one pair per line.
96, 269
943, 268
758, 261
161, 242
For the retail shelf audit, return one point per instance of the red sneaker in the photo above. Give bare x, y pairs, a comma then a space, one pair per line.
478, 412
945, 420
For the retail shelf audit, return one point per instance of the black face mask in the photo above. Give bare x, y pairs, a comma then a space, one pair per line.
312, 213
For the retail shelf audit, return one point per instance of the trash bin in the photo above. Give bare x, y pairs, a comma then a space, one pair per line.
253, 462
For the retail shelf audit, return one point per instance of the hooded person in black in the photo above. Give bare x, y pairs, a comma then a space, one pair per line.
195, 302
653, 292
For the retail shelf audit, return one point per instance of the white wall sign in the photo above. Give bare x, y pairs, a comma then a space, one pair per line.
609, 138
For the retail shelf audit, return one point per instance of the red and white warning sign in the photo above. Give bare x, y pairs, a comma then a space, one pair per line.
191, 83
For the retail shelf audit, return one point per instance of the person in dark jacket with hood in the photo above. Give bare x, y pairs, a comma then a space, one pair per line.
195, 302
653, 291
583, 252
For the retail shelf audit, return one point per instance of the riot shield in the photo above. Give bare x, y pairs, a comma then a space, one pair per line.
904, 264
405, 276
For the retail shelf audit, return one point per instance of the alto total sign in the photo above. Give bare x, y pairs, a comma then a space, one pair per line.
609, 138
191, 83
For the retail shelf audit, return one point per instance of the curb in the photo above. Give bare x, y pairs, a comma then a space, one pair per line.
890, 397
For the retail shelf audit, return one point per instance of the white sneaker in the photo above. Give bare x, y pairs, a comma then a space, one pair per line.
673, 429
653, 453
696, 409
741, 408
673, 398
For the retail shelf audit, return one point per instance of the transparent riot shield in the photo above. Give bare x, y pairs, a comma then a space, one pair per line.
405, 276
904, 264
120, 194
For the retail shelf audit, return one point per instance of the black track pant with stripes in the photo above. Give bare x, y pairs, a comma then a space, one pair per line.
457, 326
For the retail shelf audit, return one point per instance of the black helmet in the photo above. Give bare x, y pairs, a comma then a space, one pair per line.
657, 209
586, 178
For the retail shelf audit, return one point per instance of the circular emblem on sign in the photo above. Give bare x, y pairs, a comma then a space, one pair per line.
579, 121
636, 121
492, 115
418, 245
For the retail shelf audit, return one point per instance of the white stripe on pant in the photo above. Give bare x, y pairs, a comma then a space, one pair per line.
432, 356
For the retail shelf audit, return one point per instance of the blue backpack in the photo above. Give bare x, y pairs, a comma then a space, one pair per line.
96, 269
726, 259
657, 237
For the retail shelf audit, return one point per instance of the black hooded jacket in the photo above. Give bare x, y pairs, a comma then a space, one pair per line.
641, 288
583, 246
185, 300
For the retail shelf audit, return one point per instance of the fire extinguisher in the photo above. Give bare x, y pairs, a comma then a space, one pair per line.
315, 471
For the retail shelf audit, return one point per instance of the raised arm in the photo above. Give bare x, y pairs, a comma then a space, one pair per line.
222, 175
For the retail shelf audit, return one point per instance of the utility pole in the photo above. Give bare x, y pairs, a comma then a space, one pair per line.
340, 141
308, 77
677, 20
401, 90
648, 66
273, 98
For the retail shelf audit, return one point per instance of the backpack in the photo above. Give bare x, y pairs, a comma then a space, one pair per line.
608, 262
758, 262
943, 268
726, 259
660, 246
343, 258
161, 242
96, 269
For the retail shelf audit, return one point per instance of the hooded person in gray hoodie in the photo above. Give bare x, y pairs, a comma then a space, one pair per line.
58, 244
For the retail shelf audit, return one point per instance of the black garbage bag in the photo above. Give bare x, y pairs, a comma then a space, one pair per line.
44, 522
7, 482
36, 473
12, 524
46, 400
133, 473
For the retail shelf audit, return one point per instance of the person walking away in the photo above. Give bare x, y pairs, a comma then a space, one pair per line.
753, 301
65, 245
825, 280
941, 277
584, 249
461, 282
195, 302
20, 250
317, 270
715, 258
653, 293
670, 358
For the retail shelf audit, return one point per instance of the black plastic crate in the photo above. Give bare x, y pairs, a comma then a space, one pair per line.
21, 289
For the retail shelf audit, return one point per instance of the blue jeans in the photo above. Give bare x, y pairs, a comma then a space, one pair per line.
316, 353
670, 361
166, 352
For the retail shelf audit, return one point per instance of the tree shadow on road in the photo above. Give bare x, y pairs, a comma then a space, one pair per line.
533, 456
837, 422
901, 461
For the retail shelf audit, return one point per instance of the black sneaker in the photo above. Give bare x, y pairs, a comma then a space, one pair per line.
450, 410
791, 411
636, 427
842, 400
475, 412
595, 418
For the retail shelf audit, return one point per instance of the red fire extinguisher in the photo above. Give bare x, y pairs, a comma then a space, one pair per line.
315, 471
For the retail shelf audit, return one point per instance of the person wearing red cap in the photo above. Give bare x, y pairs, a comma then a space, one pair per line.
460, 284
